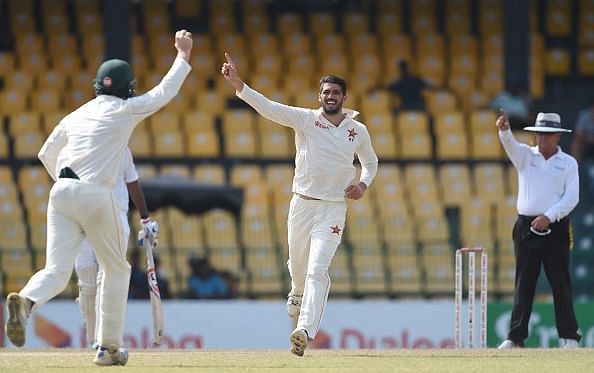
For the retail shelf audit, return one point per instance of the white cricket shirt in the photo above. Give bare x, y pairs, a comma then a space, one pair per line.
93, 138
550, 187
127, 175
325, 153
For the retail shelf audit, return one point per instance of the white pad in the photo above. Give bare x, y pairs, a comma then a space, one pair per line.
87, 291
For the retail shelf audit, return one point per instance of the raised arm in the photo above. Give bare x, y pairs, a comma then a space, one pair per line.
286, 115
515, 151
168, 88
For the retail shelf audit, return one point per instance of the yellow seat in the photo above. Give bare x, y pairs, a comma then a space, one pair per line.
379, 123
424, 23
220, 228
12, 230
211, 102
369, 271
334, 64
213, 174
239, 134
432, 69
141, 142
7, 63
256, 231
558, 18
457, 17
169, 143
441, 102
242, 175
439, 273
13, 101
376, 102
38, 230
368, 64
432, 228
175, 171
476, 223
361, 227
275, 141
27, 145
308, 99
586, 61
448, 123
462, 85
61, 44
455, 183
506, 275
398, 230
558, 62
46, 100
264, 271
389, 23
412, 123
486, 146
506, 216
512, 181
395, 47
16, 262
264, 44
255, 22
51, 120
489, 182
24, 122
322, 23
296, 46
289, 23
187, 231
385, 146
331, 43
405, 275
415, 146
278, 176
355, 23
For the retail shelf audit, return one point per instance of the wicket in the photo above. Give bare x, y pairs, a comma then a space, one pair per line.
471, 294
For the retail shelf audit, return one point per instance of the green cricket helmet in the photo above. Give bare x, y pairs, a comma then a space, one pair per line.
115, 78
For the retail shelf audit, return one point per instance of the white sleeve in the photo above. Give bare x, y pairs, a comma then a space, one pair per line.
516, 151
286, 115
165, 91
130, 173
570, 198
49, 152
367, 158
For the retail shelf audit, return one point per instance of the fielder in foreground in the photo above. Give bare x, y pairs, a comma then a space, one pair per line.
86, 266
81, 203
327, 140
548, 191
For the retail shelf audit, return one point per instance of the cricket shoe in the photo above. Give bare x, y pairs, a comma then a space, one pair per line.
507, 344
571, 343
299, 341
17, 319
105, 357
293, 304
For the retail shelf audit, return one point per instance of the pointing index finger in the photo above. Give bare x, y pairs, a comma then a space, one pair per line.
228, 57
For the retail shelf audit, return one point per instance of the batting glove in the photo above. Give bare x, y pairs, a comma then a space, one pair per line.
148, 230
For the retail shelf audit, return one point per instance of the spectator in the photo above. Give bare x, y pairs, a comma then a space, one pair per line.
409, 88
583, 139
138, 281
515, 103
205, 282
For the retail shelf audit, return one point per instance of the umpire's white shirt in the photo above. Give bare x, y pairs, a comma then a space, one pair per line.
549, 187
325, 153
93, 138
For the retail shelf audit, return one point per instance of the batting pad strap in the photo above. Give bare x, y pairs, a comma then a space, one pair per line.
87, 279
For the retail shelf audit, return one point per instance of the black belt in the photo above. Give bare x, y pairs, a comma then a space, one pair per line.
67, 173
530, 218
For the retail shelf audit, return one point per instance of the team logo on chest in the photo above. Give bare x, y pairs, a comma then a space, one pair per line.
320, 125
336, 230
352, 134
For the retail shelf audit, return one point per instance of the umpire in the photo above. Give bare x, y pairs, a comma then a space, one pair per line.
548, 191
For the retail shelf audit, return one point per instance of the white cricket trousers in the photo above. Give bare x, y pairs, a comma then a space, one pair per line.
315, 231
76, 210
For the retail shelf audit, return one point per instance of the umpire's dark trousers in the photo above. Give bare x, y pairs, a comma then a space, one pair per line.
554, 256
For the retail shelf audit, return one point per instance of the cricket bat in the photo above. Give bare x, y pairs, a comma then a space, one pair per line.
151, 273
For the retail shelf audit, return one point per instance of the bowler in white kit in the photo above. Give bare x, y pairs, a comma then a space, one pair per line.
326, 141
82, 204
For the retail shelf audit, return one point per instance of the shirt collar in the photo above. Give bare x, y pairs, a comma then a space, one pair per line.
535, 151
349, 112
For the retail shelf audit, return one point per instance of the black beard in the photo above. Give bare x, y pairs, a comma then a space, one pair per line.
333, 111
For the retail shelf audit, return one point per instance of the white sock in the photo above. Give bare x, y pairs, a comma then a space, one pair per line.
87, 291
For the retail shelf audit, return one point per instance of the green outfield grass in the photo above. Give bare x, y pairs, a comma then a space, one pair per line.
368, 361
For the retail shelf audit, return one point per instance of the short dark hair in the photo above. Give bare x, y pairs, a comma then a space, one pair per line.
334, 80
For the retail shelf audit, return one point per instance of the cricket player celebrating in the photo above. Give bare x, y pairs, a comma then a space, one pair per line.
85, 265
326, 140
81, 202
